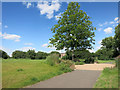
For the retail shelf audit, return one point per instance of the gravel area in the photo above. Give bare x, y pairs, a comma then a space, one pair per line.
93, 66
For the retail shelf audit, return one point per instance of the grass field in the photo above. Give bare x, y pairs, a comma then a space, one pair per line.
105, 61
108, 79
23, 72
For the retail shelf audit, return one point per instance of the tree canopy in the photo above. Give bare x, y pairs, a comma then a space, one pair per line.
117, 39
74, 30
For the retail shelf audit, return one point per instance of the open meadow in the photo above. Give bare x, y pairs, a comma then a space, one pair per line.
17, 73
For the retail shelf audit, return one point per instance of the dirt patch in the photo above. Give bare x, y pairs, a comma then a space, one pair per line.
93, 66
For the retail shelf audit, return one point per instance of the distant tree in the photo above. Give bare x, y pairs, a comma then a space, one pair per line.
18, 54
78, 54
31, 54
108, 42
55, 52
117, 40
74, 30
104, 54
41, 55
3, 54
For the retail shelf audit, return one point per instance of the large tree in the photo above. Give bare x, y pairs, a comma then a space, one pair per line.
107, 49
74, 30
117, 39
108, 42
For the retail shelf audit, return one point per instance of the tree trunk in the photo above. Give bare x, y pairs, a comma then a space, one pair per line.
72, 55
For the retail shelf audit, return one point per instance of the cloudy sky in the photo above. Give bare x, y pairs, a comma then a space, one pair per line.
28, 25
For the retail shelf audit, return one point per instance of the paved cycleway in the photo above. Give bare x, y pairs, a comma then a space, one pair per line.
85, 76
75, 79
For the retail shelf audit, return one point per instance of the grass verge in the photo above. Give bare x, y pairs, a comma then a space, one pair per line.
105, 61
108, 79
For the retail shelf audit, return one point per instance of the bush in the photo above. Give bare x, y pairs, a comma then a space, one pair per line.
117, 61
65, 66
34, 79
19, 70
79, 63
89, 60
65, 57
67, 62
53, 59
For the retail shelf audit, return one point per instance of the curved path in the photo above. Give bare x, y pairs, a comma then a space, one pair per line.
79, 78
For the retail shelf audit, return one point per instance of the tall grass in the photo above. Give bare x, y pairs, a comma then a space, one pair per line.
53, 59
108, 79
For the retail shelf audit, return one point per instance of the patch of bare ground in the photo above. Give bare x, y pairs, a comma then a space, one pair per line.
93, 66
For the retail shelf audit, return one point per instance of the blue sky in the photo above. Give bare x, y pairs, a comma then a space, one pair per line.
28, 25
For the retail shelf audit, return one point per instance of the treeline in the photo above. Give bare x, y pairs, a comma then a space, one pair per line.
110, 46
31, 54
78, 54
109, 50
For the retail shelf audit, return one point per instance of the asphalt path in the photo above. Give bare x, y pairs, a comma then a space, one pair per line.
74, 79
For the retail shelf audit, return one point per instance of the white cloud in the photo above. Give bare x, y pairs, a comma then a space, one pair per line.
29, 4
0, 23
112, 22
5, 26
57, 16
52, 48
8, 51
67, 2
28, 43
26, 48
108, 30
14, 37
105, 23
99, 29
100, 41
116, 19
48, 9
45, 45
99, 47
100, 25
91, 50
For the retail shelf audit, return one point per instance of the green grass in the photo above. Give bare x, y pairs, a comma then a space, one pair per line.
105, 61
82, 60
108, 79
22, 72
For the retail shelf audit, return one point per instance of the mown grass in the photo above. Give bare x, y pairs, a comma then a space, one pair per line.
22, 72
105, 61
108, 79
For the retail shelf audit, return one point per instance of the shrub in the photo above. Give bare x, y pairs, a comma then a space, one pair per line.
89, 60
53, 59
65, 66
79, 63
117, 61
65, 57
67, 62
19, 70
34, 79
